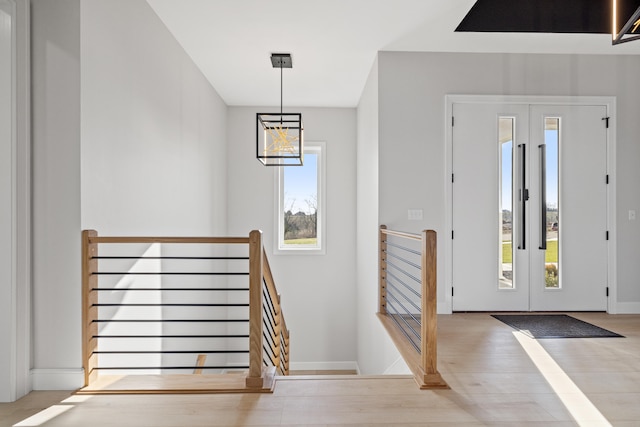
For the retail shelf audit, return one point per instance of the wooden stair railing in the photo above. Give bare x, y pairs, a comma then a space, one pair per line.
264, 362
284, 345
420, 352
261, 370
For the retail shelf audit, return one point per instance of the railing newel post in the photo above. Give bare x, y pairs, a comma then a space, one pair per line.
254, 378
429, 328
382, 270
89, 298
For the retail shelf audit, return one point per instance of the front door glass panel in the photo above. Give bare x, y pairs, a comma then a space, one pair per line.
505, 203
552, 258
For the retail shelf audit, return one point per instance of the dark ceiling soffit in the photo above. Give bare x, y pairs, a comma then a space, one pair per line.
545, 16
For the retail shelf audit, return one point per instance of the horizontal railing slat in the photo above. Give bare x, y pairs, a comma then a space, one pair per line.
199, 258
170, 305
168, 336
222, 240
169, 320
169, 289
168, 273
172, 352
165, 368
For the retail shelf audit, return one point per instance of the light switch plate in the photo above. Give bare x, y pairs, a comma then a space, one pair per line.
414, 214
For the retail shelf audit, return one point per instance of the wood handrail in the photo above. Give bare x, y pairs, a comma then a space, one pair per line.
406, 235
423, 364
280, 324
271, 286
219, 240
284, 367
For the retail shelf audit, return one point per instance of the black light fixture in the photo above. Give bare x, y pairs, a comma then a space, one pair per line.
279, 140
627, 11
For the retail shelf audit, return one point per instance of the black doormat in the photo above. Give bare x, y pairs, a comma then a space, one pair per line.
553, 326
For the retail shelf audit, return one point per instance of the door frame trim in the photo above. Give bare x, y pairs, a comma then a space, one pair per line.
607, 101
16, 334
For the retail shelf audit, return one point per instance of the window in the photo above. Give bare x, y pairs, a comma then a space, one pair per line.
552, 234
506, 127
300, 208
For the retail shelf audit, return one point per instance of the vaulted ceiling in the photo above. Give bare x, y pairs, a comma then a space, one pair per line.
334, 43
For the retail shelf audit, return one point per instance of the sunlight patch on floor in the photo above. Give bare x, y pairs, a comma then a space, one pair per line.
582, 410
44, 416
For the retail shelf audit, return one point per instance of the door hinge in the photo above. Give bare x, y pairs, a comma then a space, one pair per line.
607, 291
452, 177
453, 120
452, 290
607, 179
607, 234
451, 234
606, 121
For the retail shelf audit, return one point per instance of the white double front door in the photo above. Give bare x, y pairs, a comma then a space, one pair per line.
529, 207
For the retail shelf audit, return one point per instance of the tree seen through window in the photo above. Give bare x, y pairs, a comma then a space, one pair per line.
300, 203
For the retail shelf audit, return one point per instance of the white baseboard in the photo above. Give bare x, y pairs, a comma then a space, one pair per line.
443, 307
628, 308
324, 366
57, 379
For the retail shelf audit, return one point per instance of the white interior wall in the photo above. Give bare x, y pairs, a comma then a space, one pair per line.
15, 194
153, 153
7, 205
376, 351
153, 129
23, 308
412, 87
318, 291
153, 156
55, 88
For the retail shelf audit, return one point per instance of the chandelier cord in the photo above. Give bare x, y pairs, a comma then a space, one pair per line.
281, 92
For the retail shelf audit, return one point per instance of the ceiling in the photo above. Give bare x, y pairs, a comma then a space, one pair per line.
333, 43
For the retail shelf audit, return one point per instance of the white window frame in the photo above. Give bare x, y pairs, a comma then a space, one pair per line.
318, 148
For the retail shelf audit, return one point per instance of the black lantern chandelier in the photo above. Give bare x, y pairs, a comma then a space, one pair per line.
627, 12
279, 140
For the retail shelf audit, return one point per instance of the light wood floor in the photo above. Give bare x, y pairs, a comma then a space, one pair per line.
497, 378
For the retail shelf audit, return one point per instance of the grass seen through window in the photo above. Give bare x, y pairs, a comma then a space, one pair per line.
309, 241
551, 254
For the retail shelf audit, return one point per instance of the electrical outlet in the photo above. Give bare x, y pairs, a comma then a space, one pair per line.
414, 214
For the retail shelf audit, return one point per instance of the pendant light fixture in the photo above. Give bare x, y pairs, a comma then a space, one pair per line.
627, 12
279, 140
